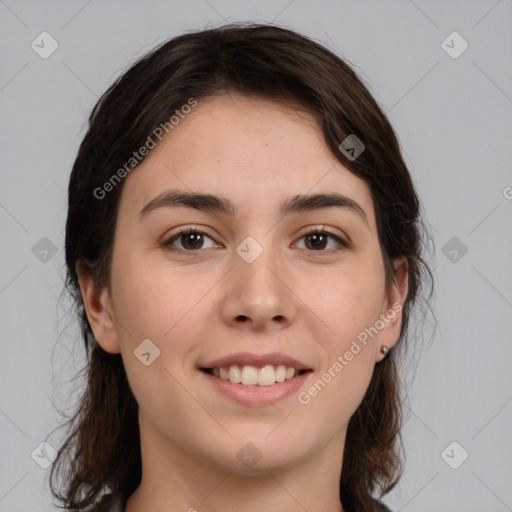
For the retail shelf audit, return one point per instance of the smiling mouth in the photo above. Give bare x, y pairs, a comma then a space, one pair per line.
247, 375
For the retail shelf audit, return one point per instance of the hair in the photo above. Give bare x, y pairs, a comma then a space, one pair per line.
102, 445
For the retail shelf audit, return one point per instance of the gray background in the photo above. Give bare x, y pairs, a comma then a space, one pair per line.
453, 118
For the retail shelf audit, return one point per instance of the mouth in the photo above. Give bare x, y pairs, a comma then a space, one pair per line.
248, 375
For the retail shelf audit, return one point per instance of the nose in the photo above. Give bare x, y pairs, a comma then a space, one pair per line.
258, 294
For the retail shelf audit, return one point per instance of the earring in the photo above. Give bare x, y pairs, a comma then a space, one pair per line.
384, 349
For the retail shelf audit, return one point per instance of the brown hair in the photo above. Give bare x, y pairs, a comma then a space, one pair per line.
102, 448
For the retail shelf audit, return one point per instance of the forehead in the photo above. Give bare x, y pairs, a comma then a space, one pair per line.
254, 151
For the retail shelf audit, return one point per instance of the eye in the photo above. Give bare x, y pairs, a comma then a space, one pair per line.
317, 239
191, 239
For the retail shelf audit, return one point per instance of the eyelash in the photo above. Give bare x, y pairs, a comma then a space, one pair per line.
343, 243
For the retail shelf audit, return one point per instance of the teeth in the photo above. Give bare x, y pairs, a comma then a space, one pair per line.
234, 374
251, 375
281, 373
267, 376
290, 372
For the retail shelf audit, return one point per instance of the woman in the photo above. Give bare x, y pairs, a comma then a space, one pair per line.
244, 246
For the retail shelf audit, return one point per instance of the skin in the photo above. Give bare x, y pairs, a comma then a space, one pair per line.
296, 299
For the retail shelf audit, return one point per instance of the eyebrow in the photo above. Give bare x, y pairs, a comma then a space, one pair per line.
216, 204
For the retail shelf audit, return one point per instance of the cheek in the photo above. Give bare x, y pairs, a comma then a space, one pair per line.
159, 304
331, 400
141, 307
153, 299
351, 303
167, 306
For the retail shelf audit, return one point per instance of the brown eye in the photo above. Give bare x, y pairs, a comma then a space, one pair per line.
193, 240
317, 241
190, 240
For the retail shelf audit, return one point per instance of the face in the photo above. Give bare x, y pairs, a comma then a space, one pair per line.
261, 279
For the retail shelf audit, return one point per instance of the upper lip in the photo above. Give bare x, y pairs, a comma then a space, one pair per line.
258, 360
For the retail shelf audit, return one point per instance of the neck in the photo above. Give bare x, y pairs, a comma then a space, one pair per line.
175, 480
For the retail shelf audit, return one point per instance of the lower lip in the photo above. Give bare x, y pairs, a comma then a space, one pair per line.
257, 395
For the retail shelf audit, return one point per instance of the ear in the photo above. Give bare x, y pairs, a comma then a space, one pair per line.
98, 306
392, 306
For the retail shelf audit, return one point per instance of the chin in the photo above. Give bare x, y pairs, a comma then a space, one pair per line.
256, 453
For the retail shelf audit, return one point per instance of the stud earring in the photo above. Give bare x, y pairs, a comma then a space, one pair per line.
384, 349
